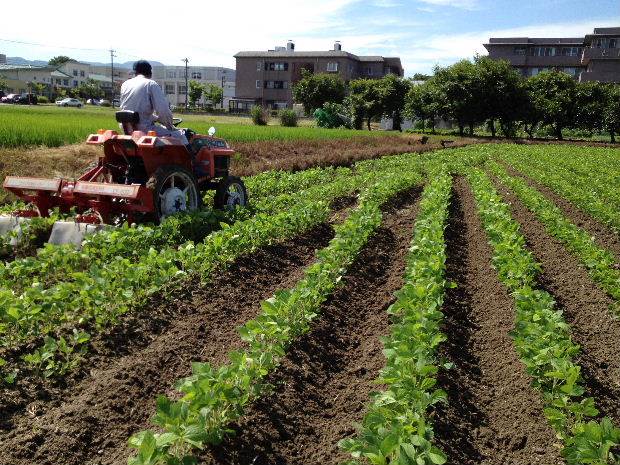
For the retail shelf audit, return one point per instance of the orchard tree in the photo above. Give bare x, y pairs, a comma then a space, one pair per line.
314, 90
460, 89
591, 101
501, 92
611, 114
422, 102
393, 92
194, 92
213, 94
366, 99
553, 95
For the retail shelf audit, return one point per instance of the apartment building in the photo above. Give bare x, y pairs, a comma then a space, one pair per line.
266, 78
593, 57
20, 77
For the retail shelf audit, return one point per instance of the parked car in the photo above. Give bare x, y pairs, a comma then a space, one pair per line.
92, 101
9, 98
69, 102
26, 99
104, 103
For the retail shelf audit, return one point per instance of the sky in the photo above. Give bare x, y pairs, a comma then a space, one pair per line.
423, 33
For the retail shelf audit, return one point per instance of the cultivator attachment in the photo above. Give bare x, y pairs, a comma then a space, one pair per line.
12, 226
72, 232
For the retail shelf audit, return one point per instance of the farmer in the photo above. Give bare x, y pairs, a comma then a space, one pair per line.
144, 96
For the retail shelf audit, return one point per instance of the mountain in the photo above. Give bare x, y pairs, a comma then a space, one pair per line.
23, 61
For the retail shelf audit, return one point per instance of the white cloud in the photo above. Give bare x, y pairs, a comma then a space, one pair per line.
464, 4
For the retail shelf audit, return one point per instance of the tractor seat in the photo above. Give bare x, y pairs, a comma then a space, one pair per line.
128, 120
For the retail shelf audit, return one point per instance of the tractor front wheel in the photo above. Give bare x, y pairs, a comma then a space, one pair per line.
230, 193
175, 190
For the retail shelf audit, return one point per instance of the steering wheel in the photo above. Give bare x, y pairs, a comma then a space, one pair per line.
176, 121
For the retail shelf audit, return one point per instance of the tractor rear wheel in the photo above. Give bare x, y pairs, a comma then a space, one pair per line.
230, 193
175, 190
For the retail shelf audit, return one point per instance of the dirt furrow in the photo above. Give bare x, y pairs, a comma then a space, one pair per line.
92, 423
324, 382
587, 309
604, 236
493, 415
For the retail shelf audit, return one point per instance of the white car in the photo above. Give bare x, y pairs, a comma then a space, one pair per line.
69, 102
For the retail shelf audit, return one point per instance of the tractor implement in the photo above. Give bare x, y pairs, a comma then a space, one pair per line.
141, 177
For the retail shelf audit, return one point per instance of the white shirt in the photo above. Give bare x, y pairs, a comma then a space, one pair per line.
145, 97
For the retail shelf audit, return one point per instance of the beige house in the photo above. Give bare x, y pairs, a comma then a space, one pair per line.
77, 72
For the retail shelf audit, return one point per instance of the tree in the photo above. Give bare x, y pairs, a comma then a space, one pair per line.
314, 90
393, 92
502, 93
611, 114
553, 97
3, 84
59, 60
38, 88
366, 99
420, 77
591, 100
213, 94
460, 91
194, 92
422, 102
89, 89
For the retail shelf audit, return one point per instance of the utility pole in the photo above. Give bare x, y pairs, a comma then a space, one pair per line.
186, 60
112, 72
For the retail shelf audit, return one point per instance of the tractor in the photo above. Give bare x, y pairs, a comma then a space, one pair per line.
140, 178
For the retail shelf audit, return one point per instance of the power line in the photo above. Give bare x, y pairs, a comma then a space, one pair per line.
35, 44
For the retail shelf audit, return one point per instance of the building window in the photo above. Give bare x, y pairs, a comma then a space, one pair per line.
543, 51
169, 89
332, 67
171, 74
259, 65
574, 72
65, 82
368, 71
536, 71
606, 43
75, 72
276, 66
520, 50
276, 84
182, 89
258, 84
571, 51
82, 74
196, 75
75, 83
58, 81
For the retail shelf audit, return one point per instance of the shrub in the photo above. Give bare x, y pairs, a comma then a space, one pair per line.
288, 118
259, 115
42, 99
105, 104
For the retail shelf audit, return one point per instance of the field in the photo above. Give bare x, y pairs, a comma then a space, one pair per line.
60, 126
453, 306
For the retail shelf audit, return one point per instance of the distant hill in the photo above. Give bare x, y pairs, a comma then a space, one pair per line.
23, 61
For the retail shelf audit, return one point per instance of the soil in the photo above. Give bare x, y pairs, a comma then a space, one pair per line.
255, 157
89, 422
604, 236
493, 414
587, 309
324, 383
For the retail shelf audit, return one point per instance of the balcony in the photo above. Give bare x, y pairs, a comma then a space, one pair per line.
553, 61
590, 54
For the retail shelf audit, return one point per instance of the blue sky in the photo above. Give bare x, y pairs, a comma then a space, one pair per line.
422, 32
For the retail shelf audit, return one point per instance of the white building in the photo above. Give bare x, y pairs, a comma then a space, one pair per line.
172, 81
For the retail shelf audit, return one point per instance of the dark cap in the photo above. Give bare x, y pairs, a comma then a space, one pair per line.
142, 67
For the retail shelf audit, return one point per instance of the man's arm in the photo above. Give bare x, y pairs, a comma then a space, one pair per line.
160, 106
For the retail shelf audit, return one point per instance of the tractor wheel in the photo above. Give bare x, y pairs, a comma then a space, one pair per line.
175, 190
230, 193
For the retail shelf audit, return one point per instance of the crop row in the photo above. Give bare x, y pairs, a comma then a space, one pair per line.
542, 337
599, 262
581, 193
97, 296
214, 397
56, 263
395, 429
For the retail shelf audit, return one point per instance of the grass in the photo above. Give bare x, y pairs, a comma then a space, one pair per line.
51, 126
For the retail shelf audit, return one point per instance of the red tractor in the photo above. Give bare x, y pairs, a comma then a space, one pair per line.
141, 177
